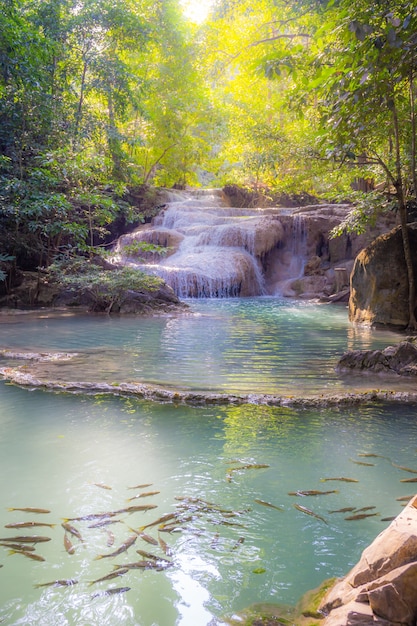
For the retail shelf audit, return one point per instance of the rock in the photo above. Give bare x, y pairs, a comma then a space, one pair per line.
379, 284
381, 588
400, 359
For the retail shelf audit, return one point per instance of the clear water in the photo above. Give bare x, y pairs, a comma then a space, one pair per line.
254, 345
57, 449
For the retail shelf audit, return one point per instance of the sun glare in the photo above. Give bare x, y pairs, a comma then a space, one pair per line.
196, 10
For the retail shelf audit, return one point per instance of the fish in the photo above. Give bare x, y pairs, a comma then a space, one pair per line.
362, 463
145, 564
144, 495
360, 516
122, 548
307, 511
134, 509
141, 486
365, 508
238, 543
119, 572
29, 555
404, 498
26, 539
105, 522
18, 546
160, 520
164, 546
244, 467
110, 592
408, 480
341, 478
72, 530
102, 486
268, 504
57, 583
405, 469
68, 545
312, 492
388, 519
29, 509
90, 517
153, 557
28, 524
110, 539
147, 538
346, 509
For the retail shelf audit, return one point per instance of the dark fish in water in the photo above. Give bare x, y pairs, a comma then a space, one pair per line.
404, 498
124, 546
362, 463
144, 495
134, 509
110, 539
268, 504
26, 539
365, 508
147, 538
372, 455
102, 486
72, 530
28, 524
153, 557
341, 478
115, 574
57, 583
238, 543
29, 555
388, 519
346, 509
408, 480
160, 520
244, 467
405, 469
164, 546
110, 592
307, 511
18, 546
146, 564
105, 522
90, 517
312, 492
68, 545
141, 486
360, 516
29, 509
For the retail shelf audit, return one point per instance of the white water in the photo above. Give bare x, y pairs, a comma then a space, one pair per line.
214, 250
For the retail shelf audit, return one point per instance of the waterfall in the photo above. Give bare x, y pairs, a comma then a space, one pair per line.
218, 251
214, 250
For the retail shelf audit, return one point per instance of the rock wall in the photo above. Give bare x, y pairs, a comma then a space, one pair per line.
379, 284
381, 588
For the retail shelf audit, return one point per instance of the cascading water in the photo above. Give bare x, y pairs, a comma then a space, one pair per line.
213, 250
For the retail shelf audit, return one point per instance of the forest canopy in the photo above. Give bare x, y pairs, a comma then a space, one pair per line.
101, 100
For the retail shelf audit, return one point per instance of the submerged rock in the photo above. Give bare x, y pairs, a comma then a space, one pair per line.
400, 360
381, 588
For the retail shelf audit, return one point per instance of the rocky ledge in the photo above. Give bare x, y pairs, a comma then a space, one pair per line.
400, 360
381, 588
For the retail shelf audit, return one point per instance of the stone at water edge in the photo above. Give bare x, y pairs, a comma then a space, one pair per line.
381, 588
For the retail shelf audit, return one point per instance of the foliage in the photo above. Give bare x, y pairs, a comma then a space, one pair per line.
367, 207
107, 289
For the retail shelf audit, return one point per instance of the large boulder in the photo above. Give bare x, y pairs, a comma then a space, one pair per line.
400, 359
379, 283
381, 588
